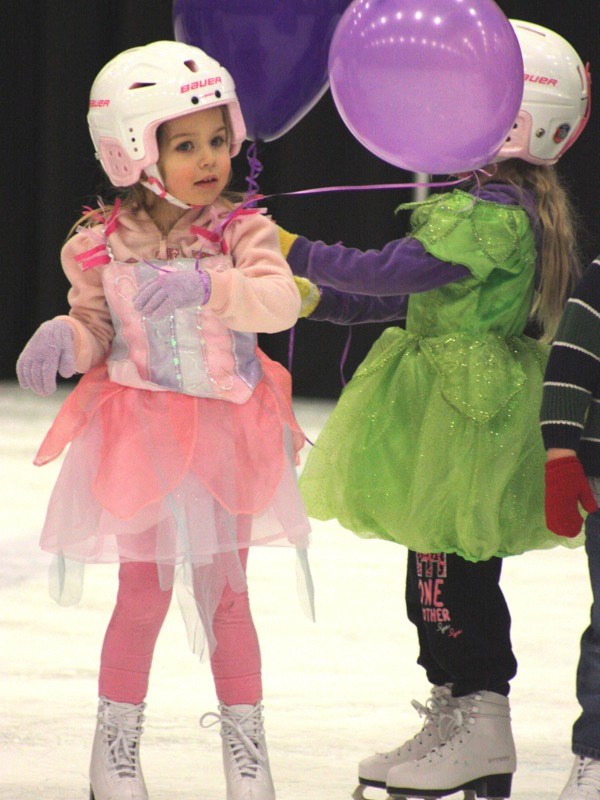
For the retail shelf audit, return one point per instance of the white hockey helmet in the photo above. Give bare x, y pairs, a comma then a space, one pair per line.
556, 97
145, 86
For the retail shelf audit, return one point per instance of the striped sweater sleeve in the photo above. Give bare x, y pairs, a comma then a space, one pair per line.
571, 396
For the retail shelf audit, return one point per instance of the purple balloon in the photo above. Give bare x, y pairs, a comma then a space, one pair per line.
431, 86
275, 50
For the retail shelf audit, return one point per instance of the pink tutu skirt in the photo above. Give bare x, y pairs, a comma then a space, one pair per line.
174, 479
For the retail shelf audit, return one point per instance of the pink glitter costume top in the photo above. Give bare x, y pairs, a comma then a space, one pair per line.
191, 351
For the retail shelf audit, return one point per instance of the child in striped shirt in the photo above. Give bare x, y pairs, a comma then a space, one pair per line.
570, 422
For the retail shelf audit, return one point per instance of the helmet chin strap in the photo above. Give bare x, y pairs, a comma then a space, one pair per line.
153, 182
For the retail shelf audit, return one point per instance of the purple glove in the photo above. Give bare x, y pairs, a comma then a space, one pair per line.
159, 297
50, 350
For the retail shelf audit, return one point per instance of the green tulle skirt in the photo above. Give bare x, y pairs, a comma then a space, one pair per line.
435, 444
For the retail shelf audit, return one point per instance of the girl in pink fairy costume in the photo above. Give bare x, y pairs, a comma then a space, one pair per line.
182, 438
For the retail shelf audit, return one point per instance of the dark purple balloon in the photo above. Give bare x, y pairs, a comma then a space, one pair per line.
428, 85
275, 50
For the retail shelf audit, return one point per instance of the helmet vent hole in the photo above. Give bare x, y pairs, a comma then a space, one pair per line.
217, 94
191, 65
195, 100
140, 85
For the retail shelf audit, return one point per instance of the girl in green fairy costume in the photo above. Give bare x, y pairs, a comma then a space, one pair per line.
435, 441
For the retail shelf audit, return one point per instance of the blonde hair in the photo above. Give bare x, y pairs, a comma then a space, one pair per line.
559, 259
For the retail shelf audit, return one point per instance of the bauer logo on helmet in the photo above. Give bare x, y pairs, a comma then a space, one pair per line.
188, 87
541, 79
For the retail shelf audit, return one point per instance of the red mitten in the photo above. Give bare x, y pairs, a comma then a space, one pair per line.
566, 487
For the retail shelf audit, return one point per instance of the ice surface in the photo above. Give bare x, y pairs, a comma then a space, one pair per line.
335, 691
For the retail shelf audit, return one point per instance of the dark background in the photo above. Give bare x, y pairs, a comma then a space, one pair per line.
54, 49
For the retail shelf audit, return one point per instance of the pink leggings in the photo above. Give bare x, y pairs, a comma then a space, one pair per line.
132, 632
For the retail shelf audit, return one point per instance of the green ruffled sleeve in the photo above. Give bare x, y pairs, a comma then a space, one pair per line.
479, 234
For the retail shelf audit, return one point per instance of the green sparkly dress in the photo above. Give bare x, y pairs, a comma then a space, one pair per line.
435, 442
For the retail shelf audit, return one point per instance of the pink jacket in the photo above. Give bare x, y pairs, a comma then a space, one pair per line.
258, 295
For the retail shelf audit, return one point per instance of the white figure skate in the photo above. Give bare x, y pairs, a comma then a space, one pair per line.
245, 757
115, 769
584, 780
477, 754
373, 771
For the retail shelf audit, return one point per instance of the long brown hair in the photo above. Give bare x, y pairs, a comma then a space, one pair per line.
560, 261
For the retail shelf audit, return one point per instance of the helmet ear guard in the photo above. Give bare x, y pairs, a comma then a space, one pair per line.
146, 86
518, 140
120, 168
556, 97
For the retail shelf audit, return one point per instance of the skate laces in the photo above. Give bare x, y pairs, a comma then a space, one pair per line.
242, 734
449, 725
432, 710
452, 722
588, 773
123, 728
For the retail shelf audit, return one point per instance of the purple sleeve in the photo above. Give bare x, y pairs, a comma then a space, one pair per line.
402, 267
343, 308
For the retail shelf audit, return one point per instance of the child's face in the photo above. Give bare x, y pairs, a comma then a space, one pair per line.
194, 156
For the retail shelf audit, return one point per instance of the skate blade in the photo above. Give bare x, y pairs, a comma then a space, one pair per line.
468, 795
490, 787
374, 793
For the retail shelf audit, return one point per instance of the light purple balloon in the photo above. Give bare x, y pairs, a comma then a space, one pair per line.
430, 86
